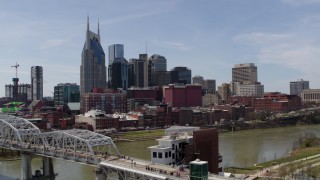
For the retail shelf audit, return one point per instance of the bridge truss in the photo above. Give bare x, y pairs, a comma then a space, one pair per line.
15, 131
75, 144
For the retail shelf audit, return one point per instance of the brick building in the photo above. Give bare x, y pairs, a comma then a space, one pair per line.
182, 96
108, 102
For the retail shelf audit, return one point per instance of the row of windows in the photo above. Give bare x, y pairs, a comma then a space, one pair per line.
159, 155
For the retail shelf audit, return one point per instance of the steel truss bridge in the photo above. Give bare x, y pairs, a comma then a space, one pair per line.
79, 146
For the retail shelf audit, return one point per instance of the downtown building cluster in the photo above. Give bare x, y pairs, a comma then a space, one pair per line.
141, 93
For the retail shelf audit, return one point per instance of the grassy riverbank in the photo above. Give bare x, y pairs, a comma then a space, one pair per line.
295, 155
140, 135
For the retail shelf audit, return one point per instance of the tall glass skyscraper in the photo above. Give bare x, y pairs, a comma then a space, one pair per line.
93, 65
115, 51
118, 74
36, 82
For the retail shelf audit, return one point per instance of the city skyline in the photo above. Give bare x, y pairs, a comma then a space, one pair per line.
278, 36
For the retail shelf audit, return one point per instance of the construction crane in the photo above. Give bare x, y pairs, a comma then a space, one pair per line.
16, 66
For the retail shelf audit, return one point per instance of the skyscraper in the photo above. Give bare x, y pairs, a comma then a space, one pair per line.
296, 87
93, 66
198, 80
115, 51
36, 82
157, 69
118, 74
159, 63
245, 72
181, 75
140, 70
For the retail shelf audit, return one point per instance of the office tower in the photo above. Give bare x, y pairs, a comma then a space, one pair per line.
224, 91
210, 84
92, 68
161, 78
198, 80
115, 51
296, 87
118, 74
157, 66
245, 72
181, 75
65, 93
159, 63
130, 74
36, 82
140, 70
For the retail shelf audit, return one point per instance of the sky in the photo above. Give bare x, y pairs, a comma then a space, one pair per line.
209, 36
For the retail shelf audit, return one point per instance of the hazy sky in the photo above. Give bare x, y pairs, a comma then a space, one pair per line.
282, 37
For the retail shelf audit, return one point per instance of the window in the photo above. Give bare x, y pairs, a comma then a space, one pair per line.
166, 155
154, 154
172, 146
172, 155
169, 153
179, 145
160, 155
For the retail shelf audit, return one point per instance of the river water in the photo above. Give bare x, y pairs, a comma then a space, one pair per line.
240, 148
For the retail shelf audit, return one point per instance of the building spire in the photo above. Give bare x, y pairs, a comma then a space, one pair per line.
88, 34
98, 31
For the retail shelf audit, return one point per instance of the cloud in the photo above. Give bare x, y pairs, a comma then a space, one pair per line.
54, 43
143, 11
301, 2
173, 45
298, 51
262, 38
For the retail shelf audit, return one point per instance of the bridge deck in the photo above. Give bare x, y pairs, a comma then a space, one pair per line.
145, 167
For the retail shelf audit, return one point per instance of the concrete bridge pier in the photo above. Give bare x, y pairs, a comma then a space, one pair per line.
26, 169
100, 175
48, 168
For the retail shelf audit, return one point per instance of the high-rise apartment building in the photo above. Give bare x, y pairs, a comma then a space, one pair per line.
65, 93
245, 72
115, 51
37, 82
181, 75
118, 74
93, 67
23, 92
296, 87
198, 80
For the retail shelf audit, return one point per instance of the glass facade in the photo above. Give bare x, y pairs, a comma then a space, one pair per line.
115, 51
93, 68
198, 170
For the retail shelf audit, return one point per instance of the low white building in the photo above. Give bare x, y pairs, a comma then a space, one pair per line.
170, 149
310, 95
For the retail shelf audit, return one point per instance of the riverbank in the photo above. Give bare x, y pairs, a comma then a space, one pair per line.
307, 154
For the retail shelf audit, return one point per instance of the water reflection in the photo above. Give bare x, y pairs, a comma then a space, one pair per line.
240, 148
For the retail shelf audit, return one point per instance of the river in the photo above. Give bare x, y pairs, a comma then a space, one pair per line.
240, 148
